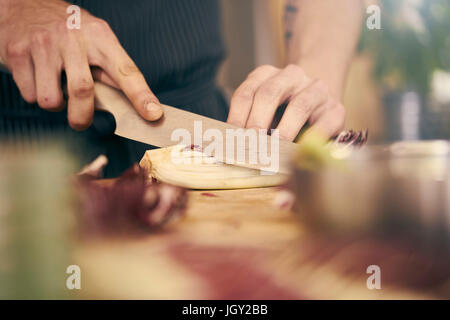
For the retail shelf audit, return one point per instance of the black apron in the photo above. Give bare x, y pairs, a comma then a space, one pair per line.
178, 47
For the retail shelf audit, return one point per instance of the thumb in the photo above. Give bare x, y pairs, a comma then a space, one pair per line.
131, 81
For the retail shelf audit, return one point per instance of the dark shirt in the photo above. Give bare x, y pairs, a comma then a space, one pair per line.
178, 47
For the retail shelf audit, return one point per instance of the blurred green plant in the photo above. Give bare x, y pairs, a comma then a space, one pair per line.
413, 42
37, 221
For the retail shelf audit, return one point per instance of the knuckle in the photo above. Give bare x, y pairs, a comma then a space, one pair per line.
61, 28
49, 102
129, 69
83, 88
267, 68
99, 26
303, 105
245, 92
321, 86
41, 38
294, 68
17, 49
269, 91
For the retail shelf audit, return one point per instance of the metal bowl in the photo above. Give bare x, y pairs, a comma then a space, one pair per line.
397, 189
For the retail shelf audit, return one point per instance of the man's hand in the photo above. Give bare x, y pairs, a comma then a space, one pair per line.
255, 102
36, 45
321, 37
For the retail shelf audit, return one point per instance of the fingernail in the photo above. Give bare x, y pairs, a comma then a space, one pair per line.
152, 107
154, 110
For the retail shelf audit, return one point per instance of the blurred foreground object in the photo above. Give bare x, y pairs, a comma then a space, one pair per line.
128, 205
95, 168
315, 152
36, 222
400, 189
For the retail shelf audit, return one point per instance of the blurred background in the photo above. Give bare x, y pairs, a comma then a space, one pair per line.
399, 83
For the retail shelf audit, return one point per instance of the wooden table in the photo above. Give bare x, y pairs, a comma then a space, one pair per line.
237, 244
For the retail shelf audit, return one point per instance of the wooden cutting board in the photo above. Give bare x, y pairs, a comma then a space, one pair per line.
237, 244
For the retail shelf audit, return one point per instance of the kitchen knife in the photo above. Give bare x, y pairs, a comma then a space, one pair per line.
270, 154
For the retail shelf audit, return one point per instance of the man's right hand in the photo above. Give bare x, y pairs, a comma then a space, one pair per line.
36, 45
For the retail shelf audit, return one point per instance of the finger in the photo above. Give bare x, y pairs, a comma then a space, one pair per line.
242, 99
47, 73
300, 108
318, 112
331, 122
80, 86
101, 76
22, 69
272, 93
131, 81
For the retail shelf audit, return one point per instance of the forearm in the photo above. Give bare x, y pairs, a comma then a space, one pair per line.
321, 38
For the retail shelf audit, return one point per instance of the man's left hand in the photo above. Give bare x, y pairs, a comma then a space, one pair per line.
256, 100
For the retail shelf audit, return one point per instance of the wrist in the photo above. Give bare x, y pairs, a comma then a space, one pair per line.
323, 68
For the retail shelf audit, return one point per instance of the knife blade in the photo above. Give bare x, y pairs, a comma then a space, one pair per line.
269, 154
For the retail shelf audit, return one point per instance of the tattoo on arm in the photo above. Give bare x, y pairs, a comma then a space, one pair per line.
290, 13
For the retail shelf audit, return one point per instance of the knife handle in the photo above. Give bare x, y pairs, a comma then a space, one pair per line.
111, 100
